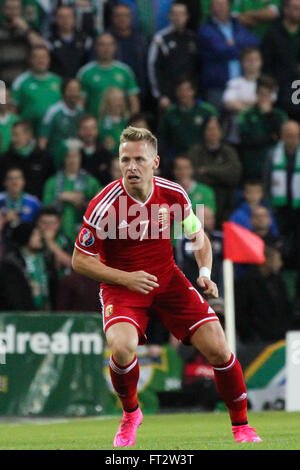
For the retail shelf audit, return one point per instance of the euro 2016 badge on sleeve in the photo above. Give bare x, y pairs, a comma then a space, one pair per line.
109, 310
86, 238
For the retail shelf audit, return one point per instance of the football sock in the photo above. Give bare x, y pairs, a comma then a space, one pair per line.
124, 380
232, 389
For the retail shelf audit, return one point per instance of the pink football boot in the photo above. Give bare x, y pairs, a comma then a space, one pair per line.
127, 429
245, 434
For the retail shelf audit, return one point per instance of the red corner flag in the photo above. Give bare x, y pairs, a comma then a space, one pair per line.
241, 245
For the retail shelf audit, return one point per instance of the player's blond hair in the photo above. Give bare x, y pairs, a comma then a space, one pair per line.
138, 134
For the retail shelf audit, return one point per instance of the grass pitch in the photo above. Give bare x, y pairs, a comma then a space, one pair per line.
196, 431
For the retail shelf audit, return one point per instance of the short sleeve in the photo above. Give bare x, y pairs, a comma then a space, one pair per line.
87, 241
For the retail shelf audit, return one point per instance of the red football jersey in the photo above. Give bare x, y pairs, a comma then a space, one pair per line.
130, 235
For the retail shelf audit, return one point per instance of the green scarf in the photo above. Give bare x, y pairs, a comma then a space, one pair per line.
27, 150
38, 279
279, 178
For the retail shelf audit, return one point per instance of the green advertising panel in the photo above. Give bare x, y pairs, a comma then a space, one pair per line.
57, 364
53, 365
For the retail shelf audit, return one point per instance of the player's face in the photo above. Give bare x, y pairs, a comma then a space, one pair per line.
138, 160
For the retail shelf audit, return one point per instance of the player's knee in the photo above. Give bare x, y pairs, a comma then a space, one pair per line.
123, 349
218, 356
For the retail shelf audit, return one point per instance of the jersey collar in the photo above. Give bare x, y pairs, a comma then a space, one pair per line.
136, 200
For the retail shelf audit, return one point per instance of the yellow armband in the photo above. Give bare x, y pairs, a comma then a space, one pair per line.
191, 225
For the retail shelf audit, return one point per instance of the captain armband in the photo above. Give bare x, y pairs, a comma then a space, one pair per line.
191, 225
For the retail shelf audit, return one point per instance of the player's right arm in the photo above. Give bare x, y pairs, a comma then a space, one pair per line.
92, 267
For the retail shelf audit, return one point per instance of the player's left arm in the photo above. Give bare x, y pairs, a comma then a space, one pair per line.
202, 252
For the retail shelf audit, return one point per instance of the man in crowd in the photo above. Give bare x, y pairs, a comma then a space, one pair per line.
263, 312
25, 267
26, 154
70, 189
240, 92
96, 76
70, 48
181, 126
61, 120
221, 42
283, 183
217, 165
132, 45
16, 205
281, 45
259, 128
7, 120
16, 39
96, 159
36, 89
253, 196
173, 54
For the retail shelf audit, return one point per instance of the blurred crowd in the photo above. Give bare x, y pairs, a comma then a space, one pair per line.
215, 80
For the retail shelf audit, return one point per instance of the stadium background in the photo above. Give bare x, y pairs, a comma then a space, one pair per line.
213, 81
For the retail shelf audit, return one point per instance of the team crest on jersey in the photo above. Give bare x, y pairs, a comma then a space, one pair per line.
86, 238
109, 310
163, 217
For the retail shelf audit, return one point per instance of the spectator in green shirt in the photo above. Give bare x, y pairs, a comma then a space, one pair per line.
113, 117
256, 14
259, 128
181, 125
61, 120
7, 120
70, 190
98, 75
34, 91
